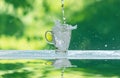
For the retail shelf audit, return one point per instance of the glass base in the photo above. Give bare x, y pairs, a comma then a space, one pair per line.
60, 51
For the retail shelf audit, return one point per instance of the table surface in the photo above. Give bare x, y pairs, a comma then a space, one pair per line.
51, 54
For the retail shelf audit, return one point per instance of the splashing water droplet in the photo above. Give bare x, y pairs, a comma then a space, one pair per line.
106, 45
113, 47
113, 38
106, 60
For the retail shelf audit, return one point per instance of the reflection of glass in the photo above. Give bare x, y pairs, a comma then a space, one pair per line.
61, 34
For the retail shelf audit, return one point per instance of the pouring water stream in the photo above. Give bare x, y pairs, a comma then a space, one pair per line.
63, 12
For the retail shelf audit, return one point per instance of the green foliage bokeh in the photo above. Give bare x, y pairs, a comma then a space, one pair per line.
23, 24
97, 20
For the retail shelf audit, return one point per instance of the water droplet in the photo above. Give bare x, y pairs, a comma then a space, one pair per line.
117, 15
64, 18
113, 38
113, 47
98, 48
10, 21
106, 45
106, 60
62, 1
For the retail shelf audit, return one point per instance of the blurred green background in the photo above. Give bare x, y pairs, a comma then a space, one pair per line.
23, 24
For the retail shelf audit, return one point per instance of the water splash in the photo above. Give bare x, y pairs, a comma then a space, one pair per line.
62, 35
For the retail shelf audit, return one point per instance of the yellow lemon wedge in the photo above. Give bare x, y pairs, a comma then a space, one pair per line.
48, 63
49, 37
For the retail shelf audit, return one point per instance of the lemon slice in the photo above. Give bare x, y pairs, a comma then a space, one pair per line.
49, 63
49, 37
